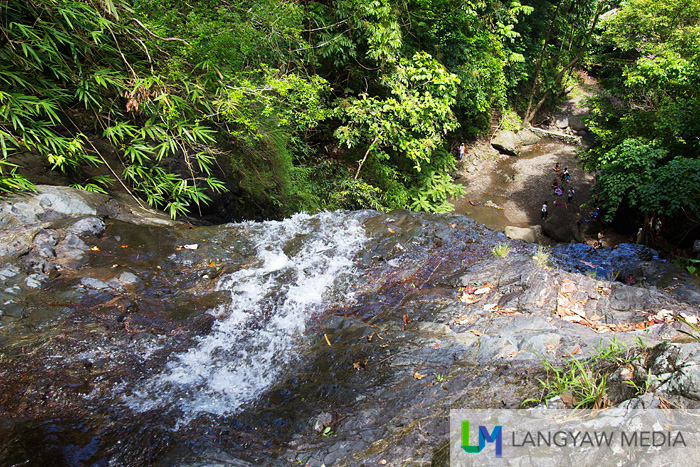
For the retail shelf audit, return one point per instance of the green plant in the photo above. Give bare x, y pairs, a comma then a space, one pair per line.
585, 380
541, 258
695, 333
689, 264
439, 378
500, 250
327, 431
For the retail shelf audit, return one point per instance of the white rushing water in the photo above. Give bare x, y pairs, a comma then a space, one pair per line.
257, 335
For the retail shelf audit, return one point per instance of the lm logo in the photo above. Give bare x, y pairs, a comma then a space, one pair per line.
484, 437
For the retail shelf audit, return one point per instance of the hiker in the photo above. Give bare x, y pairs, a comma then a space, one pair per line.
558, 192
570, 195
557, 167
544, 210
657, 226
461, 151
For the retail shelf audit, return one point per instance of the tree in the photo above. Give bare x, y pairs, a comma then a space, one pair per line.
647, 146
402, 134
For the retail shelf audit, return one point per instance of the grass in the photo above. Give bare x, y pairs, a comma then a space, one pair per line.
583, 383
541, 258
500, 250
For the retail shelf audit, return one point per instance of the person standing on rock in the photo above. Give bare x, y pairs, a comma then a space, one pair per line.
545, 213
461, 151
570, 195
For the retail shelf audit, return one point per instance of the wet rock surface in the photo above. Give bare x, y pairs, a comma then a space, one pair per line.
93, 308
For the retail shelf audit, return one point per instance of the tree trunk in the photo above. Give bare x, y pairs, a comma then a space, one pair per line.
530, 116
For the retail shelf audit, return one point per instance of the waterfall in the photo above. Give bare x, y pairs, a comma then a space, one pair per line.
257, 334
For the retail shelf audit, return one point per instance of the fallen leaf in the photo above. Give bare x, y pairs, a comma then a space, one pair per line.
94, 248
391, 230
329, 342
491, 307
485, 289
359, 365
550, 348
469, 289
568, 287
212, 264
123, 246
383, 346
514, 354
436, 345
405, 318
477, 333
507, 311
192, 246
464, 319
418, 376
453, 225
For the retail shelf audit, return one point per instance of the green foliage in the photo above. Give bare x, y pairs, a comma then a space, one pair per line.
585, 380
541, 257
648, 142
500, 250
402, 134
67, 59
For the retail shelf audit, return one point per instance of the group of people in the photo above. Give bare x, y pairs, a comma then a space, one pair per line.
562, 178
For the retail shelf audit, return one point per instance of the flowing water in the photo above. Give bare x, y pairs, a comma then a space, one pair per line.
188, 346
302, 265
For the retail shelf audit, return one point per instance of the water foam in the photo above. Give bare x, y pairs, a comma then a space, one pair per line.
256, 335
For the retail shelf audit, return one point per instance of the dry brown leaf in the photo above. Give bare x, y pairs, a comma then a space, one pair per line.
391, 230
359, 365
491, 307
94, 248
507, 311
477, 333
464, 319
514, 354
568, 287
485, 289
418, 376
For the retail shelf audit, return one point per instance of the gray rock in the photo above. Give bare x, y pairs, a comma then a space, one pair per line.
88, 226
507, 142
127, 278
16, 243
528, 138
11, 309
527, 234
9, 272
576, 123
562, 122
37, 280
95, 284
493, 350
323, 420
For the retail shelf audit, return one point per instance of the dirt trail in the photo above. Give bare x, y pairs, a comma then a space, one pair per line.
505, 190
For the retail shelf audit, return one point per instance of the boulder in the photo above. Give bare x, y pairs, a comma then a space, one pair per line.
507, 142
528, 138
576, 123
562, 122
527, 234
